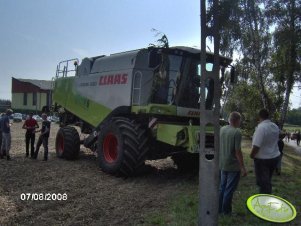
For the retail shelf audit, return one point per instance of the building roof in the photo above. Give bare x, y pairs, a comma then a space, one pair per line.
42, 84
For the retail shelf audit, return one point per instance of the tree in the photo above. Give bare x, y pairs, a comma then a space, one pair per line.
162, 41
266, 35
245, 30
4, 104
286, 17
294, 117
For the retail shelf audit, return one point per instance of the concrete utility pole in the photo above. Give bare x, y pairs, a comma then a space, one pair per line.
209, 172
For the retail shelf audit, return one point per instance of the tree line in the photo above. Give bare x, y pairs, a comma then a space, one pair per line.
294, 117
4, 104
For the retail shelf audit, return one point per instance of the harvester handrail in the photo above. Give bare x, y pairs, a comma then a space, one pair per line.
65, 66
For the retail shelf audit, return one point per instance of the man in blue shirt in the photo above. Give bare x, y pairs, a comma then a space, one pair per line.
6, 136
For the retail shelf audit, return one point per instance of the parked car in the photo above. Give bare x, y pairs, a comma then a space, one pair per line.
17, 117
24, 116
53, 118
37, 118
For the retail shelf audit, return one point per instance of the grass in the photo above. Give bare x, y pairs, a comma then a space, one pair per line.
291, 128
183, 209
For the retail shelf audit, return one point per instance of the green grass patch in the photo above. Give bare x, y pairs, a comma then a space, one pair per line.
291, 128
183, 208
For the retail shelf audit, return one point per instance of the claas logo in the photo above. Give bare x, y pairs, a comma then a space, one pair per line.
113, 79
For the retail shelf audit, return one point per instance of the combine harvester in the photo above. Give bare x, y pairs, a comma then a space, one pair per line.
135, 106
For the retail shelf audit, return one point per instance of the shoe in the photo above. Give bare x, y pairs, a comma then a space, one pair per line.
44, 160
8, 158
26, 156
1, 157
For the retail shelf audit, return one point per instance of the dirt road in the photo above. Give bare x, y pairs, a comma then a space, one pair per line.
93, 197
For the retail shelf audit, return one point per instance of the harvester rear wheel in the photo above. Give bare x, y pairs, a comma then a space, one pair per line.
121, 146
67, 143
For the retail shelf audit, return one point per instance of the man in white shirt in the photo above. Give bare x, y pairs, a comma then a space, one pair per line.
265, 151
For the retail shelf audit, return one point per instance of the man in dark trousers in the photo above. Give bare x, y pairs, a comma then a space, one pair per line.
6, 135
43, 138
280, 146
265, 151
298, 137
231, 162
1, 132
30, 125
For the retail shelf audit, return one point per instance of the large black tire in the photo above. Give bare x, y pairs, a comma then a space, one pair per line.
122, 147
143, 137
67, 143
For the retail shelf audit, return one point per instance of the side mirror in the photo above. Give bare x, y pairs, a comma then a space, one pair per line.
232, 75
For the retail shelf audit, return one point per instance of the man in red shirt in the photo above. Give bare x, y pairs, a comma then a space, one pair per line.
30, 125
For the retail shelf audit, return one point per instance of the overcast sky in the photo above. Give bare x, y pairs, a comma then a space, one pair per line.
37, 34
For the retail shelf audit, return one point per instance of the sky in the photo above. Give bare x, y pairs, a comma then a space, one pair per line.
37, 34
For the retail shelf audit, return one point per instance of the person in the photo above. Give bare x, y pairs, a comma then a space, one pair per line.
231, 163
265, 151
6, 136
30, 125
280, 146
43, 138
2, 114
298, 137
288, 136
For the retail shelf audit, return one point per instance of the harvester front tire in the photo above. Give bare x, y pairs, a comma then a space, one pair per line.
67, 143
120, 147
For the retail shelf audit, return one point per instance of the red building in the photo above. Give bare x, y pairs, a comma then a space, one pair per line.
31, 95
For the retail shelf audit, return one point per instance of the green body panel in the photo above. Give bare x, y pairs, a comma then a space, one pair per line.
65, 95
181, 135
161, 109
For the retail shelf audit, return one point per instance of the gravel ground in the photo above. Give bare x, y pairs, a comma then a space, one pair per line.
93, 197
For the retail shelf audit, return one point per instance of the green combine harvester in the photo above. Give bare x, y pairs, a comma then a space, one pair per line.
134, 106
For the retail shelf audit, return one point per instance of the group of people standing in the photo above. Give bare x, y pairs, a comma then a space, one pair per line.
32, 127
295, 136
265, 154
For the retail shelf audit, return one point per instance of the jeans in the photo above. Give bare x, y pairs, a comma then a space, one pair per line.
30, 138
228, 185
42, 140
6, 142
264, 169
